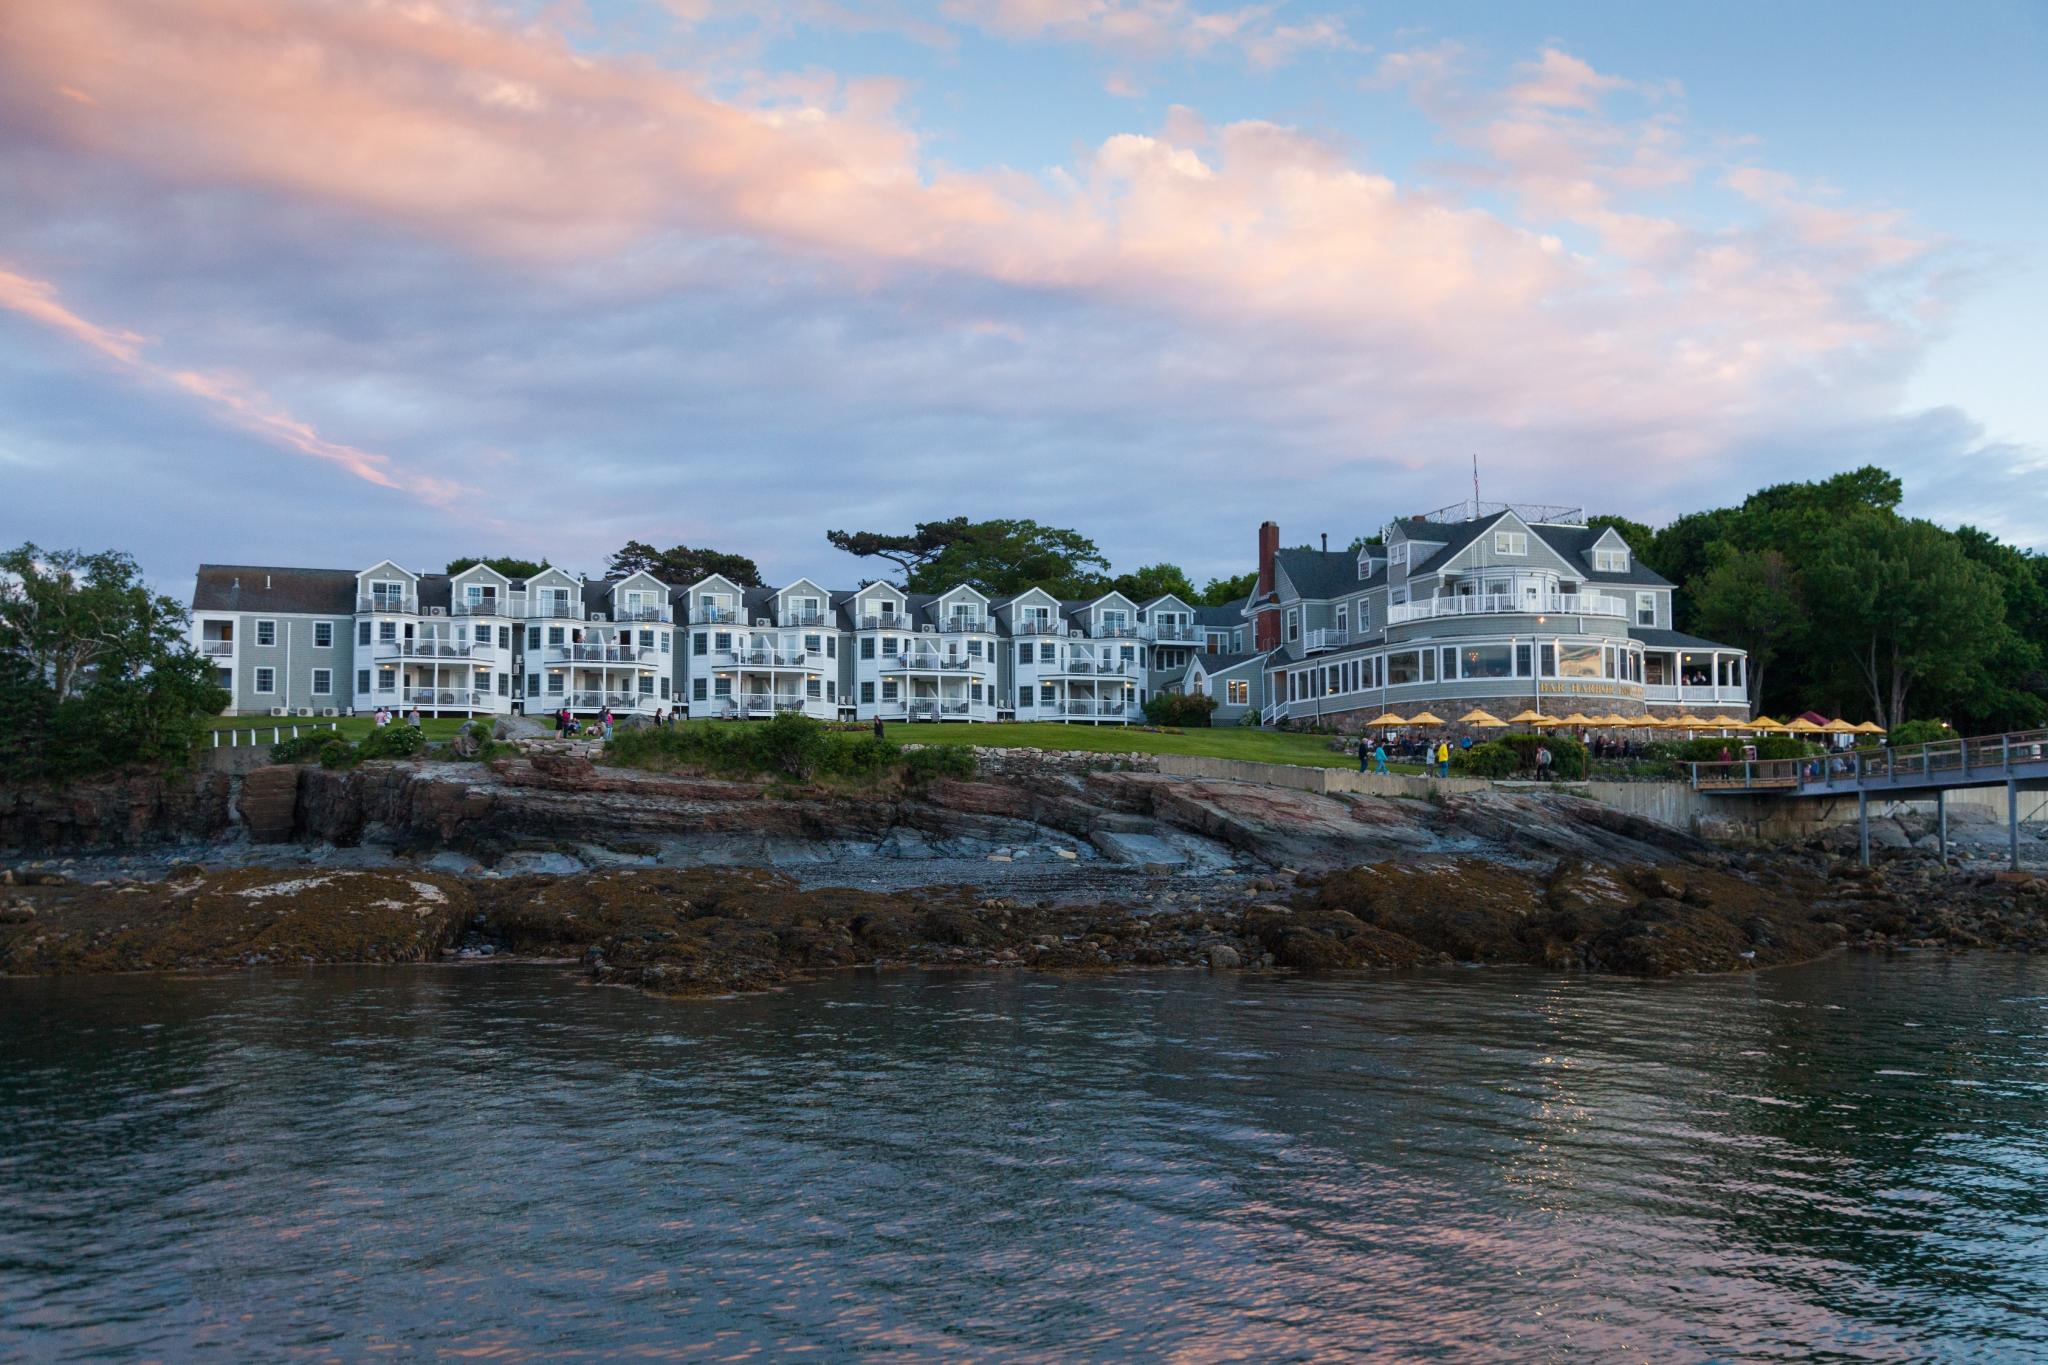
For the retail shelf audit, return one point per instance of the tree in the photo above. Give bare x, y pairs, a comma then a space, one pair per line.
998, 557
2011, 691
1155, 580
681, 565
908, 553
505, 564
1755, 601
1224, 592
1901, 609
95, 671
1641, 539
68, 613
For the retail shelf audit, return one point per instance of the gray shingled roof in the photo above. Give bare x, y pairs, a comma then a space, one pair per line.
1672, 639
1227, 617
255, 587
1319, 575
1219, 663
1573, 543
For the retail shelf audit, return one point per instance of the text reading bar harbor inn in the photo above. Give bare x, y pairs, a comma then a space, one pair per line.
1472, 605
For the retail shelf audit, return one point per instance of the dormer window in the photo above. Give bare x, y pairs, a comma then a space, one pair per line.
1610, 561
1397, 555
1515, 543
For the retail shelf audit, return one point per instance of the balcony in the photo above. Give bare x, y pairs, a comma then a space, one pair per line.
965, 625
772, 658
872, 622
217, 649
803, 618
441, 697
714, 616
1118, 632
430, 649
1695, 695
1174, 633
1116, 710
1089, 667
641, 614
1557, 604
599, 701
600, 654
389, 604
552, 610
1318, 640
925, 663
489, 606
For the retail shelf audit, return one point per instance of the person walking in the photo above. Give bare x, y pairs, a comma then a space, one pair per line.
1379, 757
1363, 753
1443, 758
879, 733
414, 718
1543, 763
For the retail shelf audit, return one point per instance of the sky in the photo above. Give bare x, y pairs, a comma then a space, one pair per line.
320, 282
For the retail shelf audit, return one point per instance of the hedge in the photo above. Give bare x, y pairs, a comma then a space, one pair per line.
1185, 710
791, 745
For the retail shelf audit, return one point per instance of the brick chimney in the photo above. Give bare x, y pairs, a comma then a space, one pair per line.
1266, 620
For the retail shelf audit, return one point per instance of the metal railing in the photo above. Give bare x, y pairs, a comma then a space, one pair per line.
1507, 604
429, 649
383, 602
772, 658
803, 618
714, 616
592, 701
1117, 632
490, 606
1935, 763
441, 696
963, 625
600, 654
1545, 513
641, 614
1171, 633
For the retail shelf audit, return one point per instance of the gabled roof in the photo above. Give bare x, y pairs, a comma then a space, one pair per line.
1223, 663
386, 564
794, 584
1319, 575
615, 584
1229, 616
1672, 639
1576, 544
469, 569
715, 578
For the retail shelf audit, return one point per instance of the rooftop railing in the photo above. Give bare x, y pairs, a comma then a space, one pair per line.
1506, 604
1535, 513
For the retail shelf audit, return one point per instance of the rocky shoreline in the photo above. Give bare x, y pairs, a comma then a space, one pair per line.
689, 885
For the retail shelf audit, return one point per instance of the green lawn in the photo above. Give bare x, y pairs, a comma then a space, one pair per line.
352, 728
1228, 741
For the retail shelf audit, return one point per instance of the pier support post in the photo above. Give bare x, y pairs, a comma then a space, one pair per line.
2012, 820
1941, 822
1863, 827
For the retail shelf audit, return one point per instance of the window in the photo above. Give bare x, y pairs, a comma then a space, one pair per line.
1646, 609
700, 689
1610, 561
555, 636
664, 642
1397, 555
1514, 543
1488, 661
533, 684
974, 649
1343, 616
867, 649
266, 632
867, 693
533, 637
1024, 699
1450, 664
831, 646
1403, 669
700, 645
387, 680
1048, 695
722, 642
721, 688
1522, 660
323, 682
814, 689
1293, 624
362, 680
647, 639
813, 643
554, 684
1024, 652
362, 632
387, 596
646, 684
1547, 657
323, 634
1240, 692
1578, 661
888, 644
266, 681
888, 689
504, 684
831, 690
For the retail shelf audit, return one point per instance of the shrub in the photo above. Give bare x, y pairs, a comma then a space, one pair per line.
938, 760
1485, 760
1708, 750
391, 741
1568, 758
791, 745
309, 748
1920, 732
1182, 709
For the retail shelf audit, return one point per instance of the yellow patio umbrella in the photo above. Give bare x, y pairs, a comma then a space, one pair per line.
1526, 717
1485, 720
1870, 727
1800, 725
1426, 718
1385, 719
1766, 726
1838, 726
1547, 722
1688, 721
1727, 722
1616, 721
1577, 718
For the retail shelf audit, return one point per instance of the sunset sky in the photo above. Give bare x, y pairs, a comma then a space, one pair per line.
320, 281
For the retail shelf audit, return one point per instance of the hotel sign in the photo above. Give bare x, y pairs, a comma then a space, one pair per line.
1583, 689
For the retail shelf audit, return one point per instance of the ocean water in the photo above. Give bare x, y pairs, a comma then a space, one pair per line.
1843, 1160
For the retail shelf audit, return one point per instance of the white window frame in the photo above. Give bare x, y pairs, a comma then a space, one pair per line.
1397, 555
1610, 561
1293, 624
263, 625
1646, 609
1514, 544
327, 643
318, 675
256, 682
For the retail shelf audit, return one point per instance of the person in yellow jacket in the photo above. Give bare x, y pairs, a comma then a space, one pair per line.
1443, 758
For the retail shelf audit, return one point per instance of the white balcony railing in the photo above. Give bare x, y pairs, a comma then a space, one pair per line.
490, 606
389, 603
772, 658
714, 616
874, 622
554, 610
217, 649
1327, 639
600, 654
803, 618
440, 697
1173, 633
926, 663
964, 625
430, 649
598, 701
641, 614
1117, 632
1557, 604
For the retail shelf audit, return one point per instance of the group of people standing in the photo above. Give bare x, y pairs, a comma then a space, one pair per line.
1435, 756
385, 716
